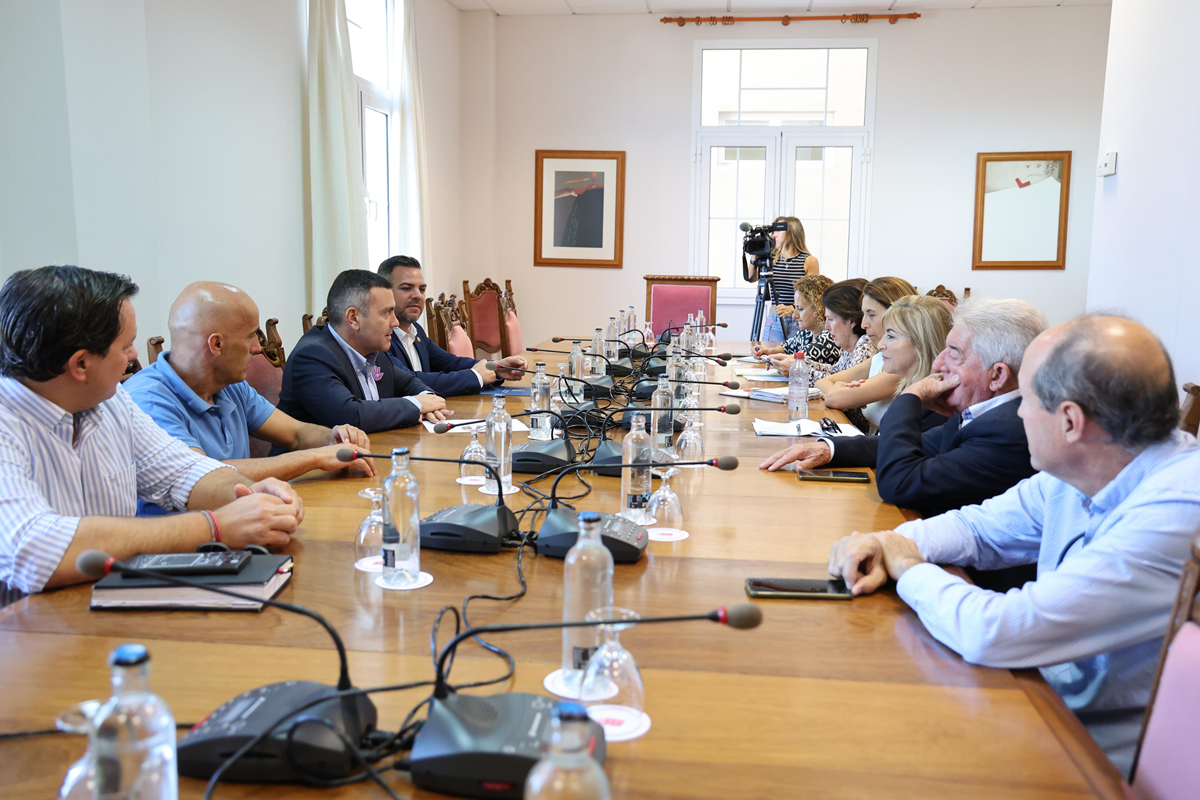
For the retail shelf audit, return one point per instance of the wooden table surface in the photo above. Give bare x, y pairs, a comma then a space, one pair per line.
823, 700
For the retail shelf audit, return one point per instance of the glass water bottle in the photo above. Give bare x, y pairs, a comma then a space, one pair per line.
587, 584
401, 524
568, 771
541, 426
498, 443
635, 481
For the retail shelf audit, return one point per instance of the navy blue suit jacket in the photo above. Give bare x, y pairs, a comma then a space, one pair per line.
946, 467
445, 373
320, 386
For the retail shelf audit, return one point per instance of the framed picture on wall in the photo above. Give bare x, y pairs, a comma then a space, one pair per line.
1021, 210
579, 208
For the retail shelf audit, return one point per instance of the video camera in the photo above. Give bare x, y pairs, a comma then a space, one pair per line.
758, 245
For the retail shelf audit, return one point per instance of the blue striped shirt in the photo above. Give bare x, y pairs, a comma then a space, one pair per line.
1108, 571
48, 481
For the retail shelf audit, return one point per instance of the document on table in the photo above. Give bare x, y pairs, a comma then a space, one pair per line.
772, 375
780, 394
804, 427
741, 393
473, 425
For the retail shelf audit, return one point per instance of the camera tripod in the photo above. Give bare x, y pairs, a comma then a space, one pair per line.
765, 294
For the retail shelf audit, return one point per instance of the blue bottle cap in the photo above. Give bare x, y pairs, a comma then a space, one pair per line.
129, 655
399, 451
569, 712
589, 516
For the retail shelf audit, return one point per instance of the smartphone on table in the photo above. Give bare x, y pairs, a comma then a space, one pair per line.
833, 476
798, 588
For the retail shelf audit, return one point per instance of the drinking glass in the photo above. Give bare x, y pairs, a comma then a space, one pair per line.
690, 445
472, 474
665, 507
612, 684
368, 545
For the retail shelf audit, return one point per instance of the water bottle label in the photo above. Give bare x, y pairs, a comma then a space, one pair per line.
637, 500
581, 656
389, 558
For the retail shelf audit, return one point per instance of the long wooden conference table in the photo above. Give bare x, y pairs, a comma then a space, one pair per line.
824, 700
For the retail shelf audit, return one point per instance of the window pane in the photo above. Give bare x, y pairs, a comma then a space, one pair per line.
812, 238
847, 87
722, 182
752, 183
837, 182
375, 182
369, 39
783, 106
835, 248
783, 69
809, 182
719, 87
724, 247
737, 193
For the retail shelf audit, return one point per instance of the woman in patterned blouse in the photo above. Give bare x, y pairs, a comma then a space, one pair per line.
811, 339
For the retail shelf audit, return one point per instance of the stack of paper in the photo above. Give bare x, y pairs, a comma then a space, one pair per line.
780, 394
804, 427
751, 374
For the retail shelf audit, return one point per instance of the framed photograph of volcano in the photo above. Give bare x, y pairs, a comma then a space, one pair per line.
578, 208
1021, 210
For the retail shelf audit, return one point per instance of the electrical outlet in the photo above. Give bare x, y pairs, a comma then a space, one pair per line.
1106, 165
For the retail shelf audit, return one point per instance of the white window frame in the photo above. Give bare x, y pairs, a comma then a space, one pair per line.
786, 137
387, 101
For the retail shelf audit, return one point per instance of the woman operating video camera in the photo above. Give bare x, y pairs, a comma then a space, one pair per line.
792, 262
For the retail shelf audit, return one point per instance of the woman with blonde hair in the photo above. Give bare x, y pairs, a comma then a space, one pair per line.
865, 388
792, 262
812, 339
914, 333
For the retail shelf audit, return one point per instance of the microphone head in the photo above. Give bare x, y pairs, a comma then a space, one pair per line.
556, 339
725, 357
346, 454
721, 324
93, 563
743, 615
722, 362
733, 385
492, 364
441, 427
725, 462
733, 408
745, 226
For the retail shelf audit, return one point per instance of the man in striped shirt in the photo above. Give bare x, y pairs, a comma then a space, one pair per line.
76, 453
1108, 522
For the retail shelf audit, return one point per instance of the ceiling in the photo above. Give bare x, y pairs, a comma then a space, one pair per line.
796, 8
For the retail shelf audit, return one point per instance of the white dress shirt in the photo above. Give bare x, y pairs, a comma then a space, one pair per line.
408, 340
50, 478
1108, 570
974, 412
364, 368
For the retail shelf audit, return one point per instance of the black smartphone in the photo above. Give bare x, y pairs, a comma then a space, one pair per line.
798, 588
228, 562
833, 475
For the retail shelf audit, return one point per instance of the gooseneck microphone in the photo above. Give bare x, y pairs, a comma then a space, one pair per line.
443, 427
349, 454
97, 564
742, 616
720, 462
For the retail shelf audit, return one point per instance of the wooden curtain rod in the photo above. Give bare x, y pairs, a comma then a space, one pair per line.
855, 19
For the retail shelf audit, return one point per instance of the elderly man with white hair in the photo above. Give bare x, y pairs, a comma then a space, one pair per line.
1107, 522
980, 451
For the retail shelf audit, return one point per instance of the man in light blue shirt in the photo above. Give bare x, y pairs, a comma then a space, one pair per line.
1108, 522
198, 393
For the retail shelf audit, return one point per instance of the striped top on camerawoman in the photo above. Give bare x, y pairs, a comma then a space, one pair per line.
786, 271
57, 467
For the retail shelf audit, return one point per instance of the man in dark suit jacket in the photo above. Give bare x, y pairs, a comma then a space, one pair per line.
340, 374
980, 451
413, 350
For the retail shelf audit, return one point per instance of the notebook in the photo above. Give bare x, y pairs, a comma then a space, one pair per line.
262, 578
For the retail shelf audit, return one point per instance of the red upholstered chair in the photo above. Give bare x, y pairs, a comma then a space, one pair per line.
512, 325
154, 347
1167, 767
457, 340
670, 298
482, 312
433, 320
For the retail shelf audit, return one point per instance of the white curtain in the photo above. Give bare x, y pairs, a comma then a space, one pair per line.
337, 219
410, 143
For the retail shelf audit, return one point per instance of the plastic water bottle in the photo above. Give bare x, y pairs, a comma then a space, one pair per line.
575, 361
635, 482
401, 524
498, 444
662, 420
541, 426
631, 320
612, 347
597, 367
568, 771
622, 329
134, 742
587, 585
798, 378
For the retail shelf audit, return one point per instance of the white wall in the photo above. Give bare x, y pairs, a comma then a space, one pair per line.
159, 139
950, 85
438, 51
1144, 251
